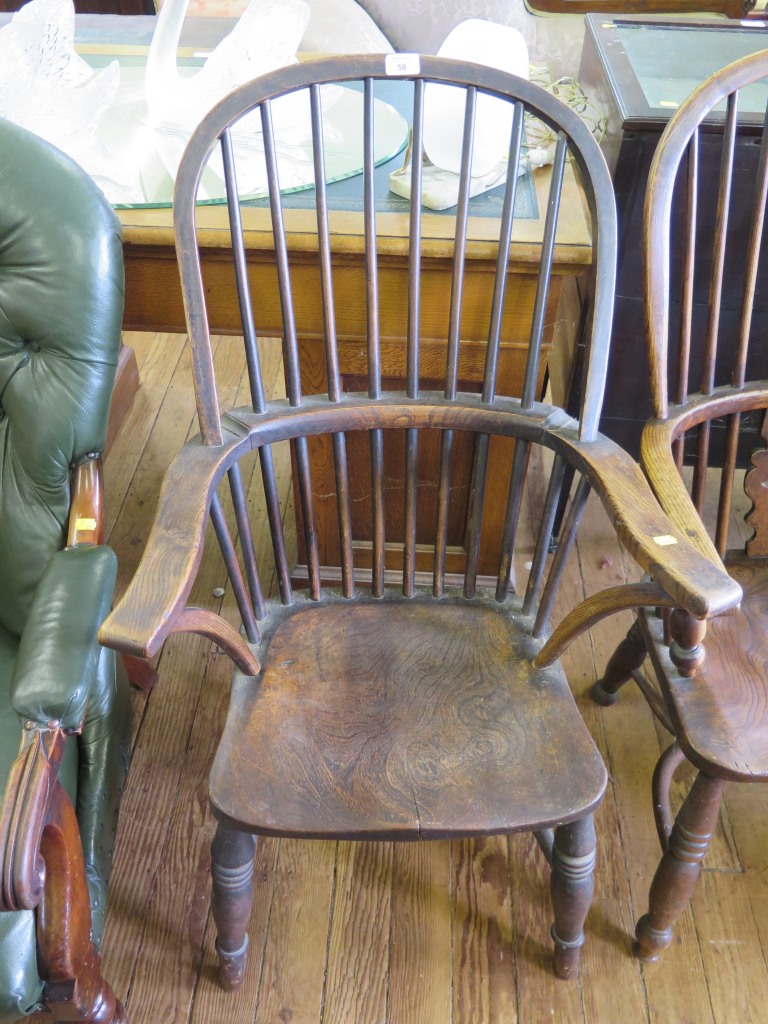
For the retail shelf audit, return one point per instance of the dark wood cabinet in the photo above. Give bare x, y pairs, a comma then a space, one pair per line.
639, 71
95, 6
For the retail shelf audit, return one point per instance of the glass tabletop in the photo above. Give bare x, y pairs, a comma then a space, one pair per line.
141, 157
671, 61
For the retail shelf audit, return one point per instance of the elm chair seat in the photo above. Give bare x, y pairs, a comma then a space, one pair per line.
387, 687
65, 719
730, 687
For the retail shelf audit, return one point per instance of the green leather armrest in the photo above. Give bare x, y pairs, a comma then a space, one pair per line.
58, 651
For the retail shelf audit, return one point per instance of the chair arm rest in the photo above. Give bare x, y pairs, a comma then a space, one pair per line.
678, 556
31, 787
664, 477
58, 652
157, 593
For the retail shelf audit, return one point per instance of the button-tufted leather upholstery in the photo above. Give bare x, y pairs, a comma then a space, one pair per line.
61, 301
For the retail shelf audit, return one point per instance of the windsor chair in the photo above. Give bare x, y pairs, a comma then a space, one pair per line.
385, 709
712, 684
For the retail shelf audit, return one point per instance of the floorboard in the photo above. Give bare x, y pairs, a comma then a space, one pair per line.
399, 934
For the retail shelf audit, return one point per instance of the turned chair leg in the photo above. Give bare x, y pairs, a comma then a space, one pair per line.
232, 898
679, 868
626, 659
571, 886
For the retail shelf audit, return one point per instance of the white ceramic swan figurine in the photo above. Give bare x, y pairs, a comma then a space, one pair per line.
266, 37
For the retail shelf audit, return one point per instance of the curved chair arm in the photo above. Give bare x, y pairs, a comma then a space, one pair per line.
41, 859
659, 464
23, 815
680, 558
153, 606
58, 651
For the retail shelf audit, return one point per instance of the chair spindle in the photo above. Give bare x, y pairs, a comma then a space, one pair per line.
686, 304
275, 517
324, 246
459, 248
545, 273
371, 259
414, 235
689, 258
413, 339
246, 540
290, 343
252, 359
753, 258
344, 514
567, 538
233, 570
454, 336
544, 535
331, 341
373, 342
511, 519
718, 256
475, 519
377, 498
502, 258
409, 554
443, 500
301, 454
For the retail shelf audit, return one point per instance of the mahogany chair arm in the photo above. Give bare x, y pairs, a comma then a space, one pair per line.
86, 513
679, 557
43, 869
23, 815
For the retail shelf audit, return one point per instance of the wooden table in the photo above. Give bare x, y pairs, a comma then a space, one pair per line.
153, 302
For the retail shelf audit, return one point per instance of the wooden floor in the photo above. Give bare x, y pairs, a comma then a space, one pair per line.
407, 934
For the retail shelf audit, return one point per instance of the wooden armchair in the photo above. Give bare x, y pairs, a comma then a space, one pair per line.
64, 716
712, 683
403, 704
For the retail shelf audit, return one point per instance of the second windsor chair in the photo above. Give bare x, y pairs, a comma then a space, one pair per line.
712, 683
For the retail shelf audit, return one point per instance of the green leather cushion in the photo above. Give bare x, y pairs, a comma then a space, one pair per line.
57, 655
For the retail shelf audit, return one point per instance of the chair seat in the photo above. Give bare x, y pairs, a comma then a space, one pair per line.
722, 714
402, 720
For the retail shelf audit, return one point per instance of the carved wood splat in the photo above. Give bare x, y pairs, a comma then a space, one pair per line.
756, 488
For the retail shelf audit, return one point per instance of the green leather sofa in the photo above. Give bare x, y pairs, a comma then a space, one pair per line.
64, 711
